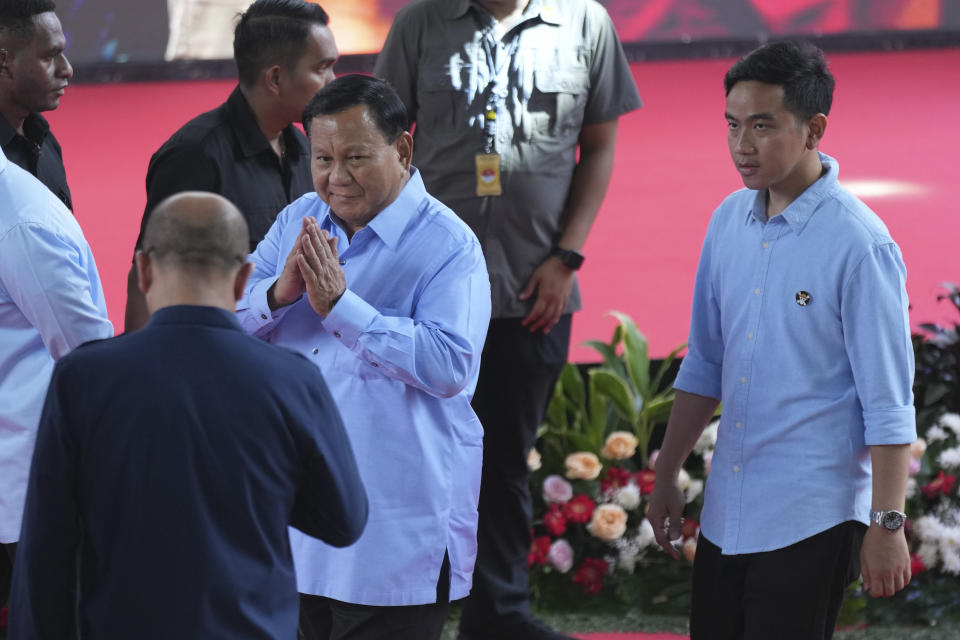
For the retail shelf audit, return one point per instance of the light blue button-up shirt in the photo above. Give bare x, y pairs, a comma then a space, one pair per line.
800, 327
400, 352
50, 302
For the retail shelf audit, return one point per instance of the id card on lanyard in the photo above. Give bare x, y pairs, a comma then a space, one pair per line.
498, 65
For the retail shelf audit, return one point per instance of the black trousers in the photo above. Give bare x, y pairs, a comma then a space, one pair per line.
327, 619
518, 371
7, 553
791, 593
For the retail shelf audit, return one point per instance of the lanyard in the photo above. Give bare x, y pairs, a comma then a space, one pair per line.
498, 64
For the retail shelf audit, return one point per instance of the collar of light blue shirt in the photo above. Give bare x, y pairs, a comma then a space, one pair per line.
3, 161
546, 11
798, 213
390, 223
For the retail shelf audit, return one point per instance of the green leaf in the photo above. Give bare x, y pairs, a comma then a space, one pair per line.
658, 409
608, 352
581, 442
634, 353
615, 388
572, 384
597, 426
664, 367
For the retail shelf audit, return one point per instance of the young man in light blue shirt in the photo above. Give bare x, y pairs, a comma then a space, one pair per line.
800, 327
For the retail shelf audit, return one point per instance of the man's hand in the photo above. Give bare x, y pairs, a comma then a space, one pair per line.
884, 561
666, 511
290, 285
319, 263
553, 282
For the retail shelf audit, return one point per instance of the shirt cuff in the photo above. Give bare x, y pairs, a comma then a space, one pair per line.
259, 309
349, 318
890, 426
699, 377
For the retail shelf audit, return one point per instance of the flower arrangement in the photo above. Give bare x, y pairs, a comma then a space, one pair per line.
592, 479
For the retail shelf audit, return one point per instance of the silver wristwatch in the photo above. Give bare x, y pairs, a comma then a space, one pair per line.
890, 520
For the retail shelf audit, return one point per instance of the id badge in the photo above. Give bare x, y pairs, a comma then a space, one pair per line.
488, 174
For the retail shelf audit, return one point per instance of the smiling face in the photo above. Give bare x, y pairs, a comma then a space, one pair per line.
356, 170
36, 73
769, 146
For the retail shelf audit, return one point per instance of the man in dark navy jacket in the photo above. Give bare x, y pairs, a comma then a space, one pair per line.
170, 461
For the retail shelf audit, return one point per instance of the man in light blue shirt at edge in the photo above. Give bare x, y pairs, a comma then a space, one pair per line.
800, 326
51, 301
386, 290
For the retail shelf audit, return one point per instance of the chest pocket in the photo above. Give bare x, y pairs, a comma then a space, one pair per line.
559, 98
442, 101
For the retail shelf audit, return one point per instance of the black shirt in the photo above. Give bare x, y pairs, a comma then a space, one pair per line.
37, 152
224, 151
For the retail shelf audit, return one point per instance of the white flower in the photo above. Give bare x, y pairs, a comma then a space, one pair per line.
950, 458
911, 487
951, 421
707, 439
628, 497
627, 560
693, 490
645, 534
683, 479
533, 459
936, 433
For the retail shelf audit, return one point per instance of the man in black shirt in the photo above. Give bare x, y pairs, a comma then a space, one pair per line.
247, 149
33, 75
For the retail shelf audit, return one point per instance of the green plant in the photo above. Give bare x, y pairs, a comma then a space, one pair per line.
620, 394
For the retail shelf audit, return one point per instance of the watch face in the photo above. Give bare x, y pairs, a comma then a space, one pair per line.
892, 520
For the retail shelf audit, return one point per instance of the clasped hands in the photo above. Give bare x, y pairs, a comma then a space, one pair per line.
312, 267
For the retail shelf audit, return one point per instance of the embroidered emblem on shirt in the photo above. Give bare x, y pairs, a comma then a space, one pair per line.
803, 298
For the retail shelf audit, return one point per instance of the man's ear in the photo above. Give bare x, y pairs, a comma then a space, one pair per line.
816, 127
240, 281
404, 147
144, 271
4, 62
271, 79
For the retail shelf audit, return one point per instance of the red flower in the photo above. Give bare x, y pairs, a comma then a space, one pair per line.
590, 574
555, 521
942, 484
645, 480
579, 509
538, 551
916, 565
614, 478
689, 528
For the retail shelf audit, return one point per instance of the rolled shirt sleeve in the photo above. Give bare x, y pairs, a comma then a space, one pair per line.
876, 330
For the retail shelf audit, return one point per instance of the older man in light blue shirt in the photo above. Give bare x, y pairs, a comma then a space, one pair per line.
50, 302
800, 326
386, 290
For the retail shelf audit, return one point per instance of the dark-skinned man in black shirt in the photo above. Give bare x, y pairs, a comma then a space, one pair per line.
34, 72
248, 149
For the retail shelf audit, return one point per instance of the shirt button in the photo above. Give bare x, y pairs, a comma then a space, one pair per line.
316, 351
374, 364
766, 245
336, 334
757, 291
736, 468
739, 425
743, 381
342, 261
263, 316
750, 336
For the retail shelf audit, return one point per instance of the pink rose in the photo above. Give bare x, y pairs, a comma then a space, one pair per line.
556, 490
914, 466
652, 462
560, 555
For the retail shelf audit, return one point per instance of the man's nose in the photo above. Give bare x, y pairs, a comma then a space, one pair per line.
65, 69
744, 141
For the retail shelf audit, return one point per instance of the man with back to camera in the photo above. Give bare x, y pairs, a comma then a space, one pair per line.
248, 149
504, 94
171, 460
386, 290
51, 301
34, 72
800, 326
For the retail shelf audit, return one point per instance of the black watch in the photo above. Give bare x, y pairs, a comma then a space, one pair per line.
570, 258
890, 520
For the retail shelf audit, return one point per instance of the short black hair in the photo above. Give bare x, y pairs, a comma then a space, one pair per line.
16, 16
348, 91
197, 231
798, 67
273, 32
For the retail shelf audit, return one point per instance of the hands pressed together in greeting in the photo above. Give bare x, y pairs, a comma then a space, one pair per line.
312, 267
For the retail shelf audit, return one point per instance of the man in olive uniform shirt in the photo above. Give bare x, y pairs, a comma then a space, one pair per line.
504, 93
